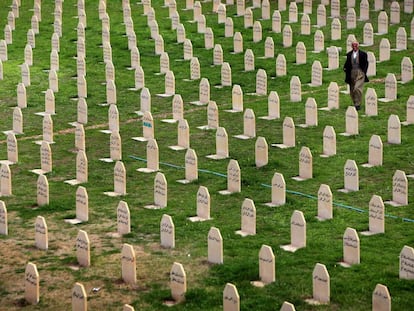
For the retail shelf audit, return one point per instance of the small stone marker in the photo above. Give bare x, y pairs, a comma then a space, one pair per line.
5, 180
119, 180
410, 111
209, 39
325, 199
261, 152
287, 306
374, 152
42, 191
381, 299
123, 218
145, 98
248, 18
257, 31
287, 36
293, 12
376, 216
336, 29
128, 308
231, 298
12, 150
351, 19
152, 157
80, 137
295, 89
261, 83
269, 47
399, 189
384, 50
226, 78
237, 99
267, 266
203, 205
212, 117
390, 88
215, 246
401, 39
321, 285
191, 167
329, 142
394, 130
288, 134
351, 122
233, 178
273, 106
351, 248
351, 177
41, 233
195, 69
3, 219
177, 109
204, 93
167, 232
21, 96
229, 28
276, 21
178, 282
406, 70
297, 232
281, 65
371, 102
83, 249
82, 87
407, 263
278, 191
318, 41
305, 165
249, 125
31, 284
160, 192
311, 113
368, 35
305, 25
128, 264
248, 60
394, 13
248, 218
222, 145
333, 58
183, 136
218, 55
317, 74
25, 73
3, 50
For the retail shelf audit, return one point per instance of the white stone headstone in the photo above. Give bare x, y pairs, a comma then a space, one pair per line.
167, 232
123, 218
83, 249
394, 130
233, 178
215, 246
351, 177
351, 248
178, 282
79, 298
41, 233
297, 232
231, 298
3, 219
381, 299
248, 218
31, 284
325, 200
406, 263
128, 264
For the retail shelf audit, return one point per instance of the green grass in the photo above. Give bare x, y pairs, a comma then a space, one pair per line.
351, 289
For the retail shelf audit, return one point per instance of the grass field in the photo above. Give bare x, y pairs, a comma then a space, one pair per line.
351, 289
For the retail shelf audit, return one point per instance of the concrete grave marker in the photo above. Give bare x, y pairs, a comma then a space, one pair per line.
119, 180
333, 96
240, 7
197, 10
45, 159
226, 78
368, 35
212, 117
281, 65
351, 177
249, 125
335, 8
248, 218
178, 282
318, 41
181, 34
261, 152
187, 49
273, 106
351, 19
169, 85
297, 232
209, 39
287, 306
167, 232
257, 31
287, 36
305, 165
135, 58
329, 142
238, 43
307, 6
249, 60
201, 25
128, 264
300, 53
12, 150
177, 110
351, 122
31, 284
203, 205
110, 76
351, 248
215, 246
261, 82
53, 81
237, 99
410, 111
183, 132
311, 113
382, 23
83, 249
278, 191
375, 151
147, 127
233, 178
25, 73
3, 219
336, 29
395, 13
317, 74
295, 89
11, 20
28, 55
145, 99
81, 50
399, 189
305, 25
269, 48
222, 146
321, 16
152, 157
408, 6
228, 28
381, 299
41, 233
160, 192
55, 42
325, 199
401, 39
164, 63
293, 12
153, 25
376, 216
54, 60
31, 39
203, 93
371, 102
378, 5
80, 137
42, 191
265, 9
17, 121
82, 87
333, 58
406, 263
289, 136
191, 167
217, 55
320, 284
195, 69
159, 44
123, 218
8, 34
221, 13
175, 20
394, 130
231, 298
267, 267
3, 51
276, 21
5, 180
406, 70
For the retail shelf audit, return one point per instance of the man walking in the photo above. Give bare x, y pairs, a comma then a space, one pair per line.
355, 68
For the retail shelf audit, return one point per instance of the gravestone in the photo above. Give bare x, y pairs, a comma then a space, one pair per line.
281, 65
257, 31
8, 34
325, 199
289, 139
408, 6
203, 93
164, 63
82, 87
406, 70
410, 111
153, 25
382, 23
42, 191
276, 21
187, 49
374, 152
195, 69
394, 13
261, 152
281, 5
371, 102
351, 177
237, 99
128, 308
305, 165
300, 53
311, 113
249, 125
297, 232
265, 9
381, 299
31, 284
147, 127
317, 74
159, 44
80, 137
226, 79
181, 34
55, 42
287, 306
17, 121
295, 89
248, 60
25, 73
394, 130
320, 284
351, 20
3, 219
167, 232
336, 29
378, 5
79, 298
267, 267
228, 28
110, 74
209, 39
231, 298
128, 264
261, 82
406, 263
45, 159
399, 189
278, 191
12, 150
333, 58
372, 68
123, 218
53, 81
83, 249
305, 25
321, 16
248, 218
222, 145
273, 106
212, 117
28, 55
191, 167
335, 8
368, 35
135, 58
41, 233
333, 96
203, 205
31, 39
178, 282
215, 246
401, 39
221, 13
351, 248
351, 122
3, 51
217, 55
160, 192
293, 12
318, 41
376, 216
287, 36
119, 180
237, 43
5, 180
183, 133
233, 178
145, 101
177, 109
49, 103
269, 48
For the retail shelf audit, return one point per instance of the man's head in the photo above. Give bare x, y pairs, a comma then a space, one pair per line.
355, 46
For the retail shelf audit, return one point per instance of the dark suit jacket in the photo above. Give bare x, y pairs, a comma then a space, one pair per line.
363, 64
